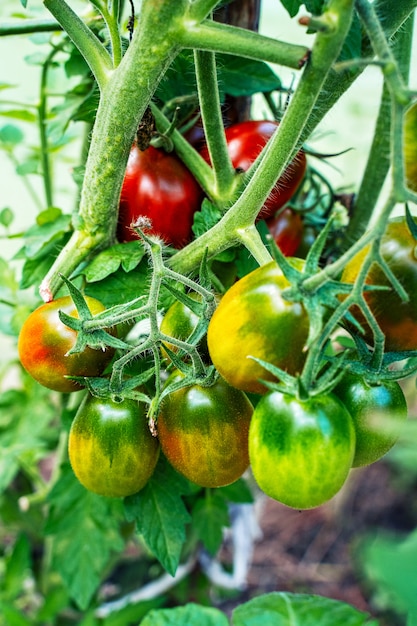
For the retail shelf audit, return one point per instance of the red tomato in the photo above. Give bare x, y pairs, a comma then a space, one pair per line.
286, 228
157, 185
245, 142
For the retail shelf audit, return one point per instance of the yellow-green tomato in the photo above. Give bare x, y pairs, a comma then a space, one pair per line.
111, 449
301, 451
254, 320
203, 432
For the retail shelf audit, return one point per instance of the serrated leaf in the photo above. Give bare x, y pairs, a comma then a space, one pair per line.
207, 217
160, 514
293, 609
237, 492
124, 255
188, 615
244, 77
85, 530
120, 286
292, 6
209, 516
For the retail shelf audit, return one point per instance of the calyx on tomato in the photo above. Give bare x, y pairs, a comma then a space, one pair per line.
396, 318
157, 185
245, 141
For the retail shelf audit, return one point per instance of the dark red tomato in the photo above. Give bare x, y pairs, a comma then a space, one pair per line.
253, 319
203, 432
378, 411
111, 449
301, 451
44, 342
157, 185
396, 318
245, 142
286, 228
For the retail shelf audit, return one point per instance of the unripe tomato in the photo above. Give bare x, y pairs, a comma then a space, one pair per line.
253, 319
410, 147
44, 342
111, 449
245, 141
396, 318
158, 185
179, 322
378, 411
203, 432
301, 451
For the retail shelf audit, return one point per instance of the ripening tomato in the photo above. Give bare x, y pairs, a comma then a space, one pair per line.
111, 449
378, 411
410, 147
245, 141
396, 318
158, 185
301, 451
203, 432
286, 228
179, 322
253, 319
44, 342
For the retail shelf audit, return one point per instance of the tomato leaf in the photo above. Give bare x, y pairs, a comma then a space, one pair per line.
85, 531
287, 609
160, 514
245, 77
209, 516
122, 255
190, 614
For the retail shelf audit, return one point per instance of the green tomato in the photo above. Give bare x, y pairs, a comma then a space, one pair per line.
179, 322
203, 432
111, 449
253, 319
301, 451
378, 412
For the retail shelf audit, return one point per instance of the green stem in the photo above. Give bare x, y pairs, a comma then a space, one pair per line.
281, 147
27, 27
200, 9
123, 101
87, 43
111, 19
246, 43
206, 73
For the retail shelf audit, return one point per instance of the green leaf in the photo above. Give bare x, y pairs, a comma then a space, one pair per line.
12, 616
353, 42
245, 77
20, 114
209, 516
85, 530
292, 6
293, 609
313, 6
390, 565
160, 514
6, 217
17, 565
11, 135
207, 217
188, 615
121, 286
124, 255
237, 492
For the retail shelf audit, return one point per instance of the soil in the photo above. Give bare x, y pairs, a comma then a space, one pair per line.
315, 551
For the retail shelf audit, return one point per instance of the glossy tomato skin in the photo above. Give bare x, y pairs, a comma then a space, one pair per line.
44, 342
203, 432
378, 412
301, 452
179, 322
245, 141
410, 147
286, 228
157, 185
111, 449
397, 319
253, 319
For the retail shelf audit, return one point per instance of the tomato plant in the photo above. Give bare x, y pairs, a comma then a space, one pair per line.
286, 228
157, 185
44, 342
111, 449
377, 410
245, 141
203, 432
253, 319
396, 317
301, 451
